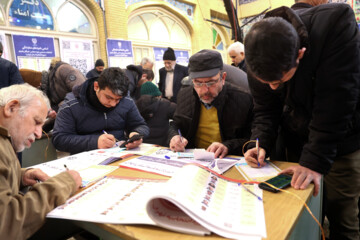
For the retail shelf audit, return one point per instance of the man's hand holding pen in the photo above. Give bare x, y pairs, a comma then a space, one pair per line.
178, 143
255, 157
106, 140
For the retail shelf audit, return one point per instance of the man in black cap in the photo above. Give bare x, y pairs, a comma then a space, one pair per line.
99, 67
211, 113
171, 76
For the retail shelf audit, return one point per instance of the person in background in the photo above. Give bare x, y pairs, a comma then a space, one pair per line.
147, 76
147, 63
237, 55
171, 76
9, 72
157, 112
304, 74
211, 113
23, 110
97, 114
97, 70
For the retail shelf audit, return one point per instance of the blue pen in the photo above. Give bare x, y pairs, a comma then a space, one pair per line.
258, 151
249, 191
180, 135
114, 137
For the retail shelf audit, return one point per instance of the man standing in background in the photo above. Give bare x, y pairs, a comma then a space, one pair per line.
237, 54
99, 67
9, 72
171, 76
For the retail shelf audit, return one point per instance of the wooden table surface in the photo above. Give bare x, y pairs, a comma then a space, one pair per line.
282, 211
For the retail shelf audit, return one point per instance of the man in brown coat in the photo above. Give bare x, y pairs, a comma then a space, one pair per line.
23, 110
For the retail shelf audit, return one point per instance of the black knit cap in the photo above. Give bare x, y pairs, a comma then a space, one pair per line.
169, 54
99, 63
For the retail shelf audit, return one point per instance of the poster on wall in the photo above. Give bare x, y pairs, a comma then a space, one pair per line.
120, 53
182, 57
78, 53
33, 52
5, 46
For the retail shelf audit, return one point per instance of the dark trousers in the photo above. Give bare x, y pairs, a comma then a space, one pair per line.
56, 229
342, 186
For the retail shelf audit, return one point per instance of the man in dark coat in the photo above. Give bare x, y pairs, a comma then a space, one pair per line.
211, 113
304, 74
97, 113
157, 112
171, 76
99, 67
9, 72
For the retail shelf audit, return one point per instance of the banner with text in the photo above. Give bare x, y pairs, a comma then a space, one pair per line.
120, 53
78, 53
33, 52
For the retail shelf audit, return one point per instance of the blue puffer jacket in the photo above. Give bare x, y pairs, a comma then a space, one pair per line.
78, 124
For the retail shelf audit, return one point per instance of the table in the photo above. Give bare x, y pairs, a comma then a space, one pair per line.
285, 216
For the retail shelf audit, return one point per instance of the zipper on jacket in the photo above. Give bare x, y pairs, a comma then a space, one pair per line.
105, 116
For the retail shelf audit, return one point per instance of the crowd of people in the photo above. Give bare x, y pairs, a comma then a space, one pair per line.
294, 85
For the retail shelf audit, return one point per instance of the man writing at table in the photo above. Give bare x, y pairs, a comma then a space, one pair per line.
211, 113
97, 113
23, 110
304, 74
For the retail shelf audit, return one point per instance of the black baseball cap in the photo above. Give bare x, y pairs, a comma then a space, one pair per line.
205, 63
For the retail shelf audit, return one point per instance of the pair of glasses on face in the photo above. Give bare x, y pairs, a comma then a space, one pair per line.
207, 84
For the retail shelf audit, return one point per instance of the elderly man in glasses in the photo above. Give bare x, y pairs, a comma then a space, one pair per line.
211, 113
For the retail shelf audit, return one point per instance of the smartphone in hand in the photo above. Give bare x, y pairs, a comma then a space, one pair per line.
132, 139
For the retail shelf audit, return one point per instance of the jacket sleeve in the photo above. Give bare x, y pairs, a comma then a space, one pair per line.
22, 215
135, 122
268, 106
65, 137
14, 75
336, 92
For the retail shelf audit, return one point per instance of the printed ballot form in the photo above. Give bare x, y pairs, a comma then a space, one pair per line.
195, 200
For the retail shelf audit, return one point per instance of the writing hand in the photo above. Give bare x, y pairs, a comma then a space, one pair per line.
253, 159
106, 141
302, 177
34, 175
178, 144
219, 149
76, 176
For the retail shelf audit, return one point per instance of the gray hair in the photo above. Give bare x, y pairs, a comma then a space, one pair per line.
146, 60
24, 93
238, 47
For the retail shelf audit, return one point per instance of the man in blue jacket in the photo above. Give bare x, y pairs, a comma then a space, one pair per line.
304, 74
97, 113
9, 72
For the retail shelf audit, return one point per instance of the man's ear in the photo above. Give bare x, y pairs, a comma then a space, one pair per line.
11, 108
223, 77
301, 53
96, 86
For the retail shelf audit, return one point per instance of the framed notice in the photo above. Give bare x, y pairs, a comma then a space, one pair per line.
78, 53
120, 53
33, 52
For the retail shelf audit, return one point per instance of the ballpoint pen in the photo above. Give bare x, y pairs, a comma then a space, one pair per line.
249, 191
180, 135
107, 133
257, 151
67, 169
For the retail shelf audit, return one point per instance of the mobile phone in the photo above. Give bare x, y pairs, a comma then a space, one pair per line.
280, 181
132, 139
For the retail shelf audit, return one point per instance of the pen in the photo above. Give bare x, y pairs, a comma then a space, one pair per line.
107, 133
257, 150
249, 191
66, 167
180, 135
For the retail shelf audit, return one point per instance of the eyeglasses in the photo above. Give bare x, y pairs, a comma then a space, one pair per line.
208, 84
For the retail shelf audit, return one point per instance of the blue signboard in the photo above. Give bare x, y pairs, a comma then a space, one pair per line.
119, 48
33, 47
158, 53
30, 13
